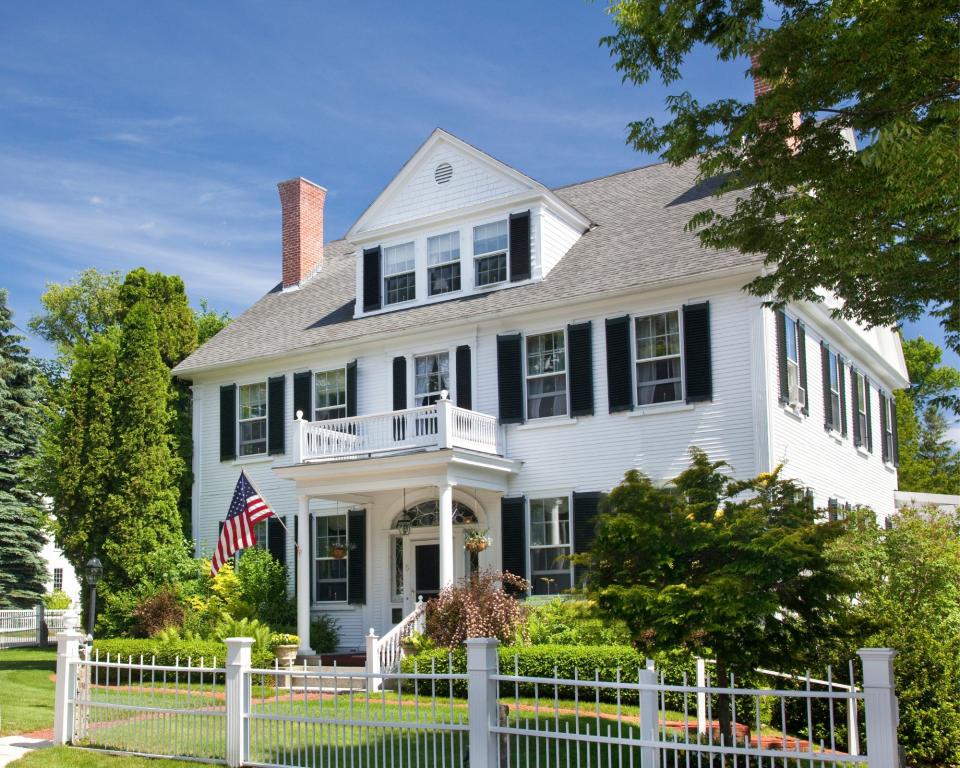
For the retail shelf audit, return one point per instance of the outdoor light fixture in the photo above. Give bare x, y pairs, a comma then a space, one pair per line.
94, 571
403, 524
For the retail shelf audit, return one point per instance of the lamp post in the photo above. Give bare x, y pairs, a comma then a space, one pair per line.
94, 572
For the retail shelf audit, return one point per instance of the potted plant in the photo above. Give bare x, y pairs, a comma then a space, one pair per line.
285, 648
476, 540
338, 551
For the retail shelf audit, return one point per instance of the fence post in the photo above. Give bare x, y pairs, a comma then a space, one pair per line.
701, 696
482, 694
649, 716
39, 618
68, 656
373, 662
880, 707
237, 697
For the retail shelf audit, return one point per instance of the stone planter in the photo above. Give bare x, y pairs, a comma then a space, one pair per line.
286, 654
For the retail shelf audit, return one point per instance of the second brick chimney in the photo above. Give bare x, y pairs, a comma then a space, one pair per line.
301, 205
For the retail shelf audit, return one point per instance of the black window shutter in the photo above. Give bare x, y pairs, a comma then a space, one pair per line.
513, 533
855, 408
782, 356
868, 409
399, 383
832, 506
519, 246
580, 349
302, 396
802, 360
277, 539
510, 378
357, 559
276, 414
371, 279
828, 415
464, 378
352, 388
697, 360
619, 365
228, 422
884, 452
585, 508
893, 429
843, 396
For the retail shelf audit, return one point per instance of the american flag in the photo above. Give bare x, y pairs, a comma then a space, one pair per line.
246, 510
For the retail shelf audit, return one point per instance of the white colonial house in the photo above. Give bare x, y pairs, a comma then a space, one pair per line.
480, 352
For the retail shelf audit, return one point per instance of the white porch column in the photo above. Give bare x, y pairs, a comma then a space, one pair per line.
303, 575
446, 535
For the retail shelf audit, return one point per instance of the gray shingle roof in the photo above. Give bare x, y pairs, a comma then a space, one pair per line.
638, 242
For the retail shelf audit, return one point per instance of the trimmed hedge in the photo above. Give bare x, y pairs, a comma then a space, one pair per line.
167, 653
589, 662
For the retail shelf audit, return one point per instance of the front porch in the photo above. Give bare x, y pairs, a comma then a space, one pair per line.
387, 501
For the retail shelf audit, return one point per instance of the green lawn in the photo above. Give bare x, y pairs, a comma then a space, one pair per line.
67, 757
26, 679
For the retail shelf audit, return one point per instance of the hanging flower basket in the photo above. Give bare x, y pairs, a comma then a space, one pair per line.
338, 551
476, 541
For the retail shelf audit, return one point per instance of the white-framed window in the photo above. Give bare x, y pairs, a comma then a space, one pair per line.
546, 375
57, 579
793, 354
658, 358
330, 394
443, 263
431, 376
253, 418
550, 569
889, 407
399, 273
861, 414
396, 568
834, 364
490, 252
330, 570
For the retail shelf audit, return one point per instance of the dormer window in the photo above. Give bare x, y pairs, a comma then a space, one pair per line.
490, 253
443, 263
399, 275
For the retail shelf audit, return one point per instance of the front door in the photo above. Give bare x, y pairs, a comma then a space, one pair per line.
426, 559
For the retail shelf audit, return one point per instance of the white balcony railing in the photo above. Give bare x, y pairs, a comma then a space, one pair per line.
441, 425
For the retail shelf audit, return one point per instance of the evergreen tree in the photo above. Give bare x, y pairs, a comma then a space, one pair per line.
22, 570
142, 507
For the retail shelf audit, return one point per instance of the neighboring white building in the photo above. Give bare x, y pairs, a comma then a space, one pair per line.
579, 332
60, 574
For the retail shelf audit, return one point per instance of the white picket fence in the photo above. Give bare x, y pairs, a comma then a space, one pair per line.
30, 626
485, 717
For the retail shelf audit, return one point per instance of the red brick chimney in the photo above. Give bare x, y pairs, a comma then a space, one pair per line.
760, 86
301, 205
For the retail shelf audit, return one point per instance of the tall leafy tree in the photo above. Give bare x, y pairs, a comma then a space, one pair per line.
732, 569
879, 228
929, 460
23, 572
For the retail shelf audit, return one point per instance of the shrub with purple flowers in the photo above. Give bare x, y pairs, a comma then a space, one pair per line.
478, 606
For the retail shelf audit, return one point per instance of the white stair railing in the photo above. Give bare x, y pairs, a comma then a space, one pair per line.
384, 653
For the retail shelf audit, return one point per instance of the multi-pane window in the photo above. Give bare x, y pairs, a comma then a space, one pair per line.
331, 554
330, 395
887, 403
546, 375
57, 579
793, 356
431, 375
443, 263
834, 364
396, 547
550, 545
861, 414
399, 275
659, 377
253, 419
490, 252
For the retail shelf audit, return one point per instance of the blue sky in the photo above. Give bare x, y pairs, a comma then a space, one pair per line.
154, 134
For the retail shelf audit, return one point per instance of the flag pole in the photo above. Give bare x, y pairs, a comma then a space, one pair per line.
296, 544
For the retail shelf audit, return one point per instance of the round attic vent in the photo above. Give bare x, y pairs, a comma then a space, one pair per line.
443, 173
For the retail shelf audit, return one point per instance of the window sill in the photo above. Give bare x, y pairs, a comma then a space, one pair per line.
653, 410
837, 437
793, 411
258, 458
332, 606
548, 422
863, 452
889, 467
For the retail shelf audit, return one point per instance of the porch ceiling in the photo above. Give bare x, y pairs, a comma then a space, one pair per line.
353, 479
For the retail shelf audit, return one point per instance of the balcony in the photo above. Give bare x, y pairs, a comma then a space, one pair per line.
430, 427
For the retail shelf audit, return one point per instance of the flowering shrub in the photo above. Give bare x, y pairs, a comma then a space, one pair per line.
476, 607
157, 612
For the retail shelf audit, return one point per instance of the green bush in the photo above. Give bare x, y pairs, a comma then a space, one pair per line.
263, 584
573, 622
325, 634
58, 600
587, 662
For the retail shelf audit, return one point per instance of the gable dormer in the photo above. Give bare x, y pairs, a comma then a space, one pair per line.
456, 222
